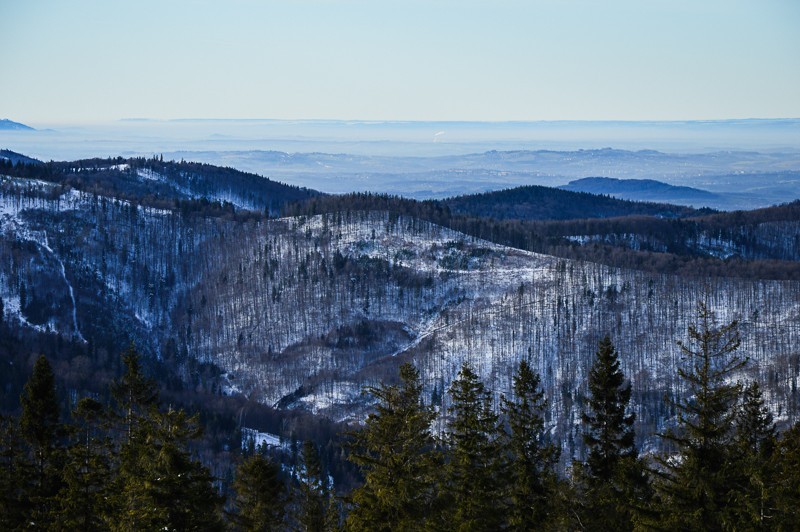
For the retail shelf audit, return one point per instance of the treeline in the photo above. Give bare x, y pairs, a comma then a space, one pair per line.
656, 238
153, 182
547, 203
659, 245
727, 467
133, 464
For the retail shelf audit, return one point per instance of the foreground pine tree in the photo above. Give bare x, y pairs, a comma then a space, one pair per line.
315, 501
41, 429
785, 514
531, 474
135, 394
260, 495
85, 499
15, 472
612, 478
395, 452
159, 486
752, 496
473, 488
696, 484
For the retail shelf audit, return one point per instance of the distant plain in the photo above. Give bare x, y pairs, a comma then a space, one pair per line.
735, 164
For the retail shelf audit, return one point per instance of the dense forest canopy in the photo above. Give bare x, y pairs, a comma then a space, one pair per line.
132, 463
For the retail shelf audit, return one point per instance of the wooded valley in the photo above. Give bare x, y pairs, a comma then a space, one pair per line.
268, 310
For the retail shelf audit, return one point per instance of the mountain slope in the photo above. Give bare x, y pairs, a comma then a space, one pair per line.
8, 125
644, 190
544, 203
302, 312
754, 244
160, 183
14, 157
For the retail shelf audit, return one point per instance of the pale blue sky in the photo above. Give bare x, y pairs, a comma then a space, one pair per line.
98, 60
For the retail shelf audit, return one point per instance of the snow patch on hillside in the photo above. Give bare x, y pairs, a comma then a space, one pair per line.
252, 438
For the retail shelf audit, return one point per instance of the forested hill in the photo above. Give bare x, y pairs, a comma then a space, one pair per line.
545, 203
232, 308
659, 238
760, 244
15, 158
162, 184
10, 125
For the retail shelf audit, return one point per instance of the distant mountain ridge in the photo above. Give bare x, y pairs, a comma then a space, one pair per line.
162, 184
620, 187
545, 203
9, 125
645, 190
16, 158
741, 180
657, 237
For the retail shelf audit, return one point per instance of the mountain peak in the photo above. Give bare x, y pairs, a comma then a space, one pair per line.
15, 157
9, 125
643, 190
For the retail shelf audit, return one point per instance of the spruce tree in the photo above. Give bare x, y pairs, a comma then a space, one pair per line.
786, 463
751, 497
158, 484
88, 471
396, 455
609, 434
314, 491
41, 428
696, 482
533, 484
260, 495
15, 472
134, 393
162, 486
611, 478
472, 486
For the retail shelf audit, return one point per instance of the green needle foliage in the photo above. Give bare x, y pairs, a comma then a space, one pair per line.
88, 471
752, 496
786, 464
164, 488
314, 492
612, 478
15, 470
134, 393
41, 428
159, 485
697, 481
131, 466
533, 483
395, 452
472, 484
260, 495
609, 434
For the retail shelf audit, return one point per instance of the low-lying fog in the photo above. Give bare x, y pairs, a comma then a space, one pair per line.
743, 163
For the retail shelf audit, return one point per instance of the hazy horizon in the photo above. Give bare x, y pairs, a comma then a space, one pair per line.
746, 163
91, 60
126, 137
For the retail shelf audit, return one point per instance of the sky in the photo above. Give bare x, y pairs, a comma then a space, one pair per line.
87, 61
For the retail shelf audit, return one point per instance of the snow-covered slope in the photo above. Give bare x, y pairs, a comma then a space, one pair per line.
304, 312
299, 331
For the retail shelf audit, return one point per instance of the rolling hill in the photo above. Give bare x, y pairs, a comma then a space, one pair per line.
299, 313
8, 125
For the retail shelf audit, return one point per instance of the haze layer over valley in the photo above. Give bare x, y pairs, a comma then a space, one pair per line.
735, 163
